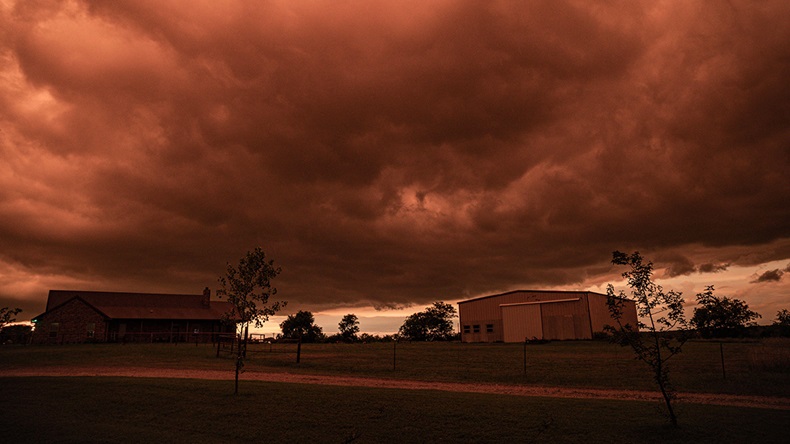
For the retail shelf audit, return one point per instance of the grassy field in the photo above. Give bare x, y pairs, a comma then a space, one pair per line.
751, 368
101, 409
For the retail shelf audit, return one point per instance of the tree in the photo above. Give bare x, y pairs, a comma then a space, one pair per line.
301, 325
248, 288
783, 318
721, 316
7, 315
663, 311
433, 324
782, 322
15, 334
349, 327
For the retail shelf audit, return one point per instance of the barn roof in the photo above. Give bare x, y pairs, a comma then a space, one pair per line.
569, 292
116, 305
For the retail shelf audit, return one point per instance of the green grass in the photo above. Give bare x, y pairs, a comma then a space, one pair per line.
178, 410
752, 368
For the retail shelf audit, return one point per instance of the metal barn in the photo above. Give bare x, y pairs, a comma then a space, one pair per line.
531, 314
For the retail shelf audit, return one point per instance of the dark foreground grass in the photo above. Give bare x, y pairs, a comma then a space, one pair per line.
751, 368
178, 410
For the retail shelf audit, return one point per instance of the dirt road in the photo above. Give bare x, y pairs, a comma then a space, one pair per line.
763, 402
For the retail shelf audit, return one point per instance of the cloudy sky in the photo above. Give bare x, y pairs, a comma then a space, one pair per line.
389, 154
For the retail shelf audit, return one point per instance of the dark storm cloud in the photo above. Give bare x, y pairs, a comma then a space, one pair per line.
388, 153
769, 276
678, 265
712, 268
390, 306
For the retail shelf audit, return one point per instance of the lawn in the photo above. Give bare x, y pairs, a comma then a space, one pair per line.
104, 409
98, 409
750, 368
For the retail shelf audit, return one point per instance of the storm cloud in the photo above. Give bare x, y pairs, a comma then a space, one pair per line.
387, 153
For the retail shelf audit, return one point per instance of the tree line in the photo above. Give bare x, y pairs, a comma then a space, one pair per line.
435, 323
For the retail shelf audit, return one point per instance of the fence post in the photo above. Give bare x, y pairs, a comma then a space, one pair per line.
394, 352
246, 338
721, 351
299, 350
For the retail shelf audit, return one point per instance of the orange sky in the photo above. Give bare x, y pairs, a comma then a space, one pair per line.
389, 154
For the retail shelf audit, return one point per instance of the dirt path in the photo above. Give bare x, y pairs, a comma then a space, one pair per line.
516, 390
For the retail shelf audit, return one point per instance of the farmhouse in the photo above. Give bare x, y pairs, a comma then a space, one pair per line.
529, 314
94, 316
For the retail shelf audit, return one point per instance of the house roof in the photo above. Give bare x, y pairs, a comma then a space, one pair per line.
116, 305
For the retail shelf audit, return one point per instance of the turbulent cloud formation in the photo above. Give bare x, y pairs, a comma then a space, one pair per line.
387, 153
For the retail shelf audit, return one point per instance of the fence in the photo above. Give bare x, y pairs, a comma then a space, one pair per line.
228, 344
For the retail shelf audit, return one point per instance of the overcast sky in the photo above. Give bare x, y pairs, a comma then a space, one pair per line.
388, 154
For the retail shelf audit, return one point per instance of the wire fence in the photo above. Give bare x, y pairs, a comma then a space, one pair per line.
229, 344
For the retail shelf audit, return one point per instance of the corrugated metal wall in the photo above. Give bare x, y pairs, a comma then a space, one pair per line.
566, 320
485, 311
521, 322
491, 319
599, 313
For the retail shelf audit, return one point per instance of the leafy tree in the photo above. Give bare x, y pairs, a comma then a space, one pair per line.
783, 318
248, 288
782, 322
349, 327
8, 315
301, 325
721, 316
15, 334
663, 311
433, 324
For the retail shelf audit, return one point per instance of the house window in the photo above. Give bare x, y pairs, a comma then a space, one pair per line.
489, 328
467, 329
91, 329
53, 329
476, 328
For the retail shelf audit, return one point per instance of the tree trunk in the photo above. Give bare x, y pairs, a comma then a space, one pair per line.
238, 364
661, 380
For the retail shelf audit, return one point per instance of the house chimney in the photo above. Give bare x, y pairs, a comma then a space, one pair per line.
206, 297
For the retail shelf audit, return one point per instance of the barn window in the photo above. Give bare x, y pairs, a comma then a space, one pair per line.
489, 328
91, 329
53, 329
467, 329
476, 328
